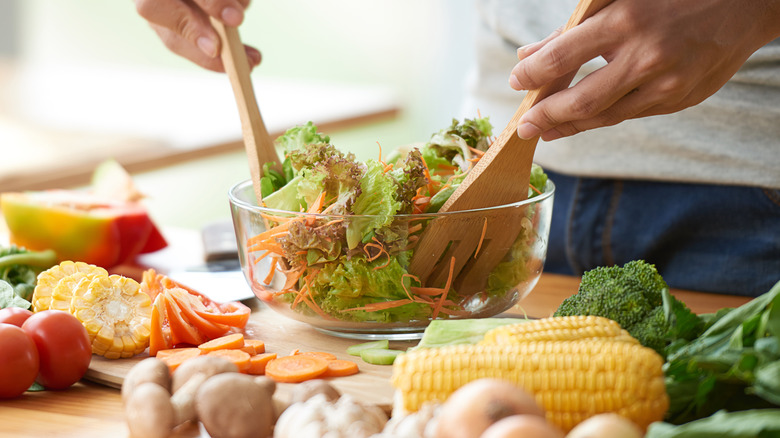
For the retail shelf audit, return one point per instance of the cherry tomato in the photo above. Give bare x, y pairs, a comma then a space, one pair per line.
14, 315
18, 361
63, 346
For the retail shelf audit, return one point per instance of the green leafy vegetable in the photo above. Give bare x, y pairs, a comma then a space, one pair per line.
733, 365
759, 423
19, 269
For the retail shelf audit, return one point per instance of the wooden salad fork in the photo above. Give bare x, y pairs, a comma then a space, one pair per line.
467, 247
258, 143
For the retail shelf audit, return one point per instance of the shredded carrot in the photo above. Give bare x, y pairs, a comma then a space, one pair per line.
227, 342
531, 186
316, 206
388, 168
384, 305
476, 151
431, 291
238, 357
341, 368
258, 362
380, 153
271, 271
297, 368
439, 305
265, 235
313, 306
481, 238
415, 228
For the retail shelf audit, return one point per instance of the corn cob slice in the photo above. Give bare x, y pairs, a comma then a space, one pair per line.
571, 380
47, 281
116, 314
560, 328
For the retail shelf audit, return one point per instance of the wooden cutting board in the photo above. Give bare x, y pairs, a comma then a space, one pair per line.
282, 335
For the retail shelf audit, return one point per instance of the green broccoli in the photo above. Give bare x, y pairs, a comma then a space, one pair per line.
637, 297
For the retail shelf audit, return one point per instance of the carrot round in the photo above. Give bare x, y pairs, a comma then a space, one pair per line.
228, 342
296, 368
258, 362
253, 346
238, 357
176, 356
341, 368
320, 354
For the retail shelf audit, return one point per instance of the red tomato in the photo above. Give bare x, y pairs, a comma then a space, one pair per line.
14, 315
63, 346
18, 361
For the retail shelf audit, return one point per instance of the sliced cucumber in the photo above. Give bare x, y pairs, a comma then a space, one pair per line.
355, 350
379, 356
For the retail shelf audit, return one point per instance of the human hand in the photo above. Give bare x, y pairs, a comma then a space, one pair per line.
662, 56
183, 25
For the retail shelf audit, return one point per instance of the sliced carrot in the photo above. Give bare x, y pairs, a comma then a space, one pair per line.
321, 354
258, 362
175, 357
341, 368
160, 335
233, 314
182, 332
296, 368
232, 341
188, 305
174, 351
238, 357
253, 346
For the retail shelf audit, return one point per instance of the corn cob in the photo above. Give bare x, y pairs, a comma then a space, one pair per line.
571, 380
561, 328
116, 314
49, 279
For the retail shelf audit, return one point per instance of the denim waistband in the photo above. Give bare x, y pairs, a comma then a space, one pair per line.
710, 238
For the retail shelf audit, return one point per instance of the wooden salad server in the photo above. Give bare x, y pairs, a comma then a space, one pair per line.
478, 242
258, 143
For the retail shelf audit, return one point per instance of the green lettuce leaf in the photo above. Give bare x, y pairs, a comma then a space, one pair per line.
377, 198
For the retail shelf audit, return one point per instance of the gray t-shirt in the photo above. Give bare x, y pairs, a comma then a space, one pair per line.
733, 137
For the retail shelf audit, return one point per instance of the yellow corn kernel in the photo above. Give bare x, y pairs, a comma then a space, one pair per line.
571, 380
558, 328
49, 279
116, 314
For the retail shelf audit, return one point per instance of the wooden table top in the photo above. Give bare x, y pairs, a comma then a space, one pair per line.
89, 409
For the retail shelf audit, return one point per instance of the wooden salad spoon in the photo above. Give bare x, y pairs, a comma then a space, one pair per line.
258, 143
467, 247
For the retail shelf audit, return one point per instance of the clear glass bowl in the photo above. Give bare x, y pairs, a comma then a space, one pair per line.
305, 270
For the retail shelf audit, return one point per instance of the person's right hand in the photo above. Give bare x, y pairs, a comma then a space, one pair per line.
184, 27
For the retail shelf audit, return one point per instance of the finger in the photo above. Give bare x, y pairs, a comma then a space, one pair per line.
179, 17
186, 49
589, 97
529, 49
230, 12
561, 55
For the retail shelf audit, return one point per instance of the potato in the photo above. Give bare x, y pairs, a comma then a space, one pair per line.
606, 425
522, 426
477, 405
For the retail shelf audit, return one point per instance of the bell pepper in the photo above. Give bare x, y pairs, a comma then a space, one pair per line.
80, 226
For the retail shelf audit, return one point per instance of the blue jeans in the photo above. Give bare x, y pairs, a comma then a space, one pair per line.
709, 238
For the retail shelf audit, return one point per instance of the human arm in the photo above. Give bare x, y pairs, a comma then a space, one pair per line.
183, 25
662, 56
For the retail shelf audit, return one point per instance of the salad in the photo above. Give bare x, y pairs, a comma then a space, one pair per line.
347, 258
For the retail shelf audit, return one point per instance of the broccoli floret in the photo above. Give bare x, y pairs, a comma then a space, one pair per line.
633, 295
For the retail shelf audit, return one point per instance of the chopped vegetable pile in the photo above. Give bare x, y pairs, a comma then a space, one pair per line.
348, 260
19, 269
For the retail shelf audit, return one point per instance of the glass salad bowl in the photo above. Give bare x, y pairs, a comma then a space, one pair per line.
312, 268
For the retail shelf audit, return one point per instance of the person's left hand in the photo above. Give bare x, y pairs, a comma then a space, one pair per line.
662, 56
